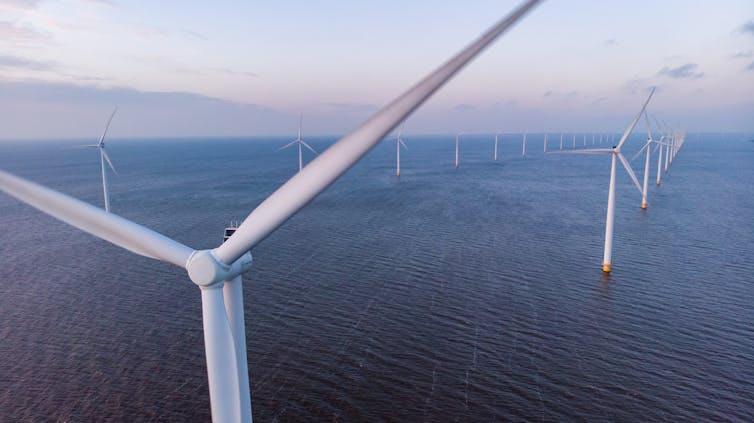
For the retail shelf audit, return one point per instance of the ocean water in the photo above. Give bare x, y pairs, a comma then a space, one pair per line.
443, 295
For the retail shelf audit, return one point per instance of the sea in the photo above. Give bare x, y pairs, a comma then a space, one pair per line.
473, 294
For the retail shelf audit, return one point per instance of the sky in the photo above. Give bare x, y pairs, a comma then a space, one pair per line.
241, 68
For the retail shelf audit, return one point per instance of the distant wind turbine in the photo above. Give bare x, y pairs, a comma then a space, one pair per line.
523, 146
615, 153
398, 143
300, 143
545, 142
494, 156
457, 136
648, 148
561, 140
217, 272
103, 157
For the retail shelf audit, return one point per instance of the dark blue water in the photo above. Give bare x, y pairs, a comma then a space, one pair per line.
469, 295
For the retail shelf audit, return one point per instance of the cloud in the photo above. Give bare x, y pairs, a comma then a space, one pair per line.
10, 32
748, 28
351, 107
19, 4
688, 70
194, 34
547, 94
637, 86
743, 54
67, 111
464, 107
611, 42
8, 61
231, 72
750, 67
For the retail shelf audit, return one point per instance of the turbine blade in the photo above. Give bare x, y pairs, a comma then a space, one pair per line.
636, 119
630, 172
583, 151
403, 143
86, 146
649, 126
222, 364
287, 145
102, 138
336, 160
309, 147
104, 154
639, 152
94, 220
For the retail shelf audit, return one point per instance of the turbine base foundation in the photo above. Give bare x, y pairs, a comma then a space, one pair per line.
643, 205
606, 267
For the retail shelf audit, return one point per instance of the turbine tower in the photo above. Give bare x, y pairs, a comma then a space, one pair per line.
615, 153
103, 157
523, 146
217, 272
457, 136
494, 155
300, 143
398, 143
545, 142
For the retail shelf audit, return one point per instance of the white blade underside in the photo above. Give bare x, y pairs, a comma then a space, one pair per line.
287, 145
104, 154
635, 121
102, 137
336, 160
309, 147
640, 151
110, 227
630, 172
222, 367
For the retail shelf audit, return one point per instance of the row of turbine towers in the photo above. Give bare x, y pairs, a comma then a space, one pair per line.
667, 147
670, 142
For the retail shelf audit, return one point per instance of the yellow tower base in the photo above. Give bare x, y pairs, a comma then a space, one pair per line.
658, 182
643, 205
606, 267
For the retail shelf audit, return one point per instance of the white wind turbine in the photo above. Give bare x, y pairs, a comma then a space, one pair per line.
494, 155
300, 143
458, 135
103, 157
523, 146
648, 147
561, 140
218, 271
398, 143
615, 152
545, 142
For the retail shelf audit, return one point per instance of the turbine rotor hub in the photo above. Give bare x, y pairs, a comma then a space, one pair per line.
207, 271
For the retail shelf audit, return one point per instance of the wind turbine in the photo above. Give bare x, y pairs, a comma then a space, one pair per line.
647, 147
398, 143
218, 271
574, 140
615, 152
545, 142
561, 140
103, 157
523, 146
300, 143
494, 155
457, 136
